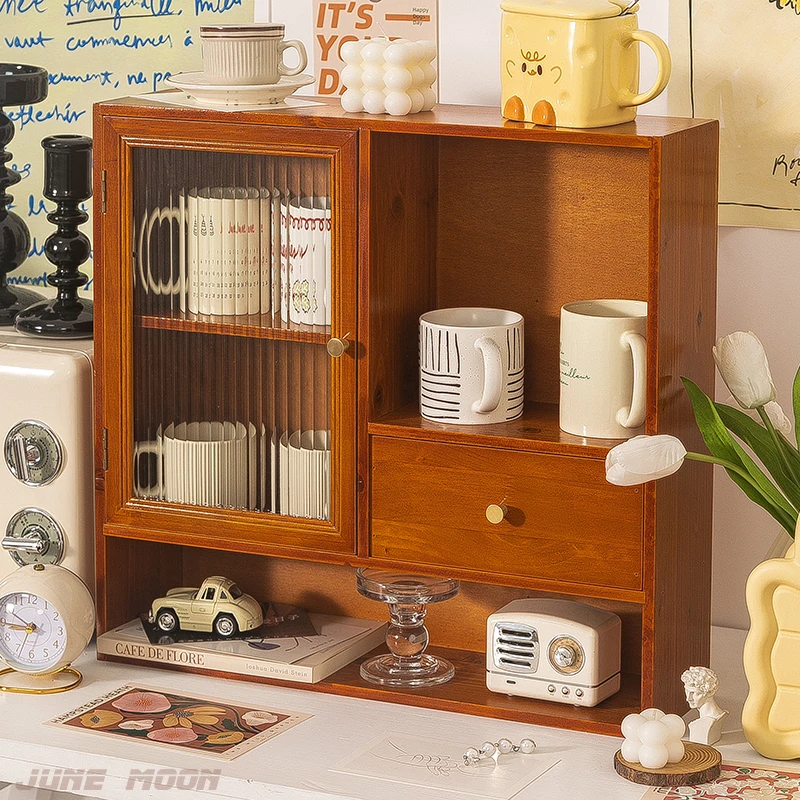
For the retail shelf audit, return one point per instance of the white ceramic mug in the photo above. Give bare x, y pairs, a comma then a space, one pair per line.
225, 240
200, 463
604, 368
248, 55
472, 365
303, 472
306, 260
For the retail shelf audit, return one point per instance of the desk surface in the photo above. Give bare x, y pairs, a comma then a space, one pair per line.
295, 765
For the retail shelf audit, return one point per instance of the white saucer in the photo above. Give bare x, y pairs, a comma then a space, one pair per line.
195, 85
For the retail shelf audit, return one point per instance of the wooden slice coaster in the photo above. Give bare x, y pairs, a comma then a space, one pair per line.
701, 764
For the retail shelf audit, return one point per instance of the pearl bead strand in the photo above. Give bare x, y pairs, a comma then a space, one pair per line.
493, 750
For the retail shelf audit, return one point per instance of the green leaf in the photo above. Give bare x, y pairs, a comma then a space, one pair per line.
791, 452
722, 445
796, 405
762, 444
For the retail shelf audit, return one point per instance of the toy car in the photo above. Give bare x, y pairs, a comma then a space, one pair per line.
219, 606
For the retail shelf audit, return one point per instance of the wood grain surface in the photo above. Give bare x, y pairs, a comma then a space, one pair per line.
429, 504
701, 764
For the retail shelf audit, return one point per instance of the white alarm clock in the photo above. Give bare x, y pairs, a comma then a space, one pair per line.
46, 620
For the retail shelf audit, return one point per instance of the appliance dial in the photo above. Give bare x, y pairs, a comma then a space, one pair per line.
34, 537
33, 453
566, 655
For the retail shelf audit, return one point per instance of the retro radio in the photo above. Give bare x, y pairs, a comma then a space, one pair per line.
554, 650
46, 462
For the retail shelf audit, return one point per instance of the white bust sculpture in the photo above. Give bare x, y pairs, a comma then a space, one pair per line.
701, 685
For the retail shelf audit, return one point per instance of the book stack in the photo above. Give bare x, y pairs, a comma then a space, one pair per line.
303, 659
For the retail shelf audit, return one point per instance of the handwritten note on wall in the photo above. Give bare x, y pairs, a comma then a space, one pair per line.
744, 73
336, 23
94, 50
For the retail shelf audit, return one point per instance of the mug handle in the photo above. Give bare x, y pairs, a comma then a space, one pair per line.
493, 376
148, 492
145, 233
301, 50
634, 416
664, 58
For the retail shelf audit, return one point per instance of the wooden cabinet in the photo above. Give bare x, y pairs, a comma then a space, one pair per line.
452, 208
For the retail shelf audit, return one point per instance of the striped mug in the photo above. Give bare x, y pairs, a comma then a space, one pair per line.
472, 365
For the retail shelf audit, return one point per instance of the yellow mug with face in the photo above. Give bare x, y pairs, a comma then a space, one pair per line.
575, 63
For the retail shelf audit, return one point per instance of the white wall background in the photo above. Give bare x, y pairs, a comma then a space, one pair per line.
759, 270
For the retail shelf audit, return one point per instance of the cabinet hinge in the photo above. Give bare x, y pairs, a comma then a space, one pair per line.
104, 191
105, 449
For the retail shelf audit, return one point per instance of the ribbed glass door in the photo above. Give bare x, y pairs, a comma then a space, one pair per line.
232, 307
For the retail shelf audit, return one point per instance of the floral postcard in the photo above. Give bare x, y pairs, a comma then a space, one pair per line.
737, 782
201, 725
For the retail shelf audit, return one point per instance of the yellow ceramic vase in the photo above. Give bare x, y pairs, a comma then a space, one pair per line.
575, 63
771, 715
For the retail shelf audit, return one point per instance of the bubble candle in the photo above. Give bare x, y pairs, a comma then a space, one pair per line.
386, 76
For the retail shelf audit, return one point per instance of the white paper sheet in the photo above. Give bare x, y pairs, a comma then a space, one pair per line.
440, 765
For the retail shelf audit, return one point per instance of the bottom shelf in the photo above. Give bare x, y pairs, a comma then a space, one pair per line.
465, 694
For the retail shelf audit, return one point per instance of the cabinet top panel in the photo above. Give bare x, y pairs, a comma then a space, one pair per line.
444, 120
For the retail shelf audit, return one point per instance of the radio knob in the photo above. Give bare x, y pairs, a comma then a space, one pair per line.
565, 656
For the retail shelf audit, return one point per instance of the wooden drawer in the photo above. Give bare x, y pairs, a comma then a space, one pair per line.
564, 522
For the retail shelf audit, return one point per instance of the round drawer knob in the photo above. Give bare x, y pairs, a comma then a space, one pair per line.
496, 514
338, 347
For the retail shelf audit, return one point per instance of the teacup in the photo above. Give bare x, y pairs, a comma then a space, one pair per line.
198, 463
248, 55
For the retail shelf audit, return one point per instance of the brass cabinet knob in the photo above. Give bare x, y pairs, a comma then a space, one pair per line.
338, 347
496, 514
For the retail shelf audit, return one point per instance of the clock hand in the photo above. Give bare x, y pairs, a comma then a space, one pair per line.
16, 627
22, 646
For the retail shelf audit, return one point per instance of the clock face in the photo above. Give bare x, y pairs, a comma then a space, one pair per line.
32, 632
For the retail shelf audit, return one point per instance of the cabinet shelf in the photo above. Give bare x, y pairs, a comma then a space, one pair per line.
536, 430
467, 694
254, 327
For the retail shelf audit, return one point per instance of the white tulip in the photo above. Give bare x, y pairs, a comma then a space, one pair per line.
775, 412
779, 420
742, 363
643, 459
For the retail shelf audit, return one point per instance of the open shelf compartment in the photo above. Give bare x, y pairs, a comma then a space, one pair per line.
457, 628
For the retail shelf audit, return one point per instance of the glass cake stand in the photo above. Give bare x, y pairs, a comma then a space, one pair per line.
408, 596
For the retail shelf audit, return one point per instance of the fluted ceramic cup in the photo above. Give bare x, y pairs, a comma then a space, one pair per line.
248, 55
472, 365
604, 368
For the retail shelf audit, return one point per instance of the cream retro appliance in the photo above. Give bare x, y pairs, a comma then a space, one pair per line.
554, 650
46, 462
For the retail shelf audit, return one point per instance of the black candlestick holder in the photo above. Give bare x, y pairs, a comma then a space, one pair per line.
68, 182
20, 85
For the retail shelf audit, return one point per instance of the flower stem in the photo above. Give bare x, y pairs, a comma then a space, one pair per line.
780, 514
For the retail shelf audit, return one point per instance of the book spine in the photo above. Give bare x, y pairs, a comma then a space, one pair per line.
177, 656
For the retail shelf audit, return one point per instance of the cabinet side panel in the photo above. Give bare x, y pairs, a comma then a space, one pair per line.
402, 255
686, 323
